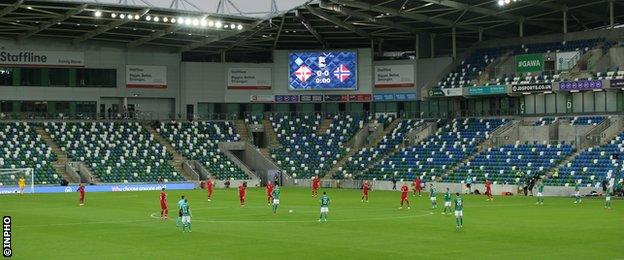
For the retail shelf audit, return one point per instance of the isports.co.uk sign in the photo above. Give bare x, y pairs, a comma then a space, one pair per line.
531, 87
42, 58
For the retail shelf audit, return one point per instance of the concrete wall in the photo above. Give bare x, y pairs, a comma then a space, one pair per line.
616, 55
573, 133
534, 134
206, 82
101, 55
187, 82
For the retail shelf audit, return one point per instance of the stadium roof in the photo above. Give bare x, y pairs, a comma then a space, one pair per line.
314, 24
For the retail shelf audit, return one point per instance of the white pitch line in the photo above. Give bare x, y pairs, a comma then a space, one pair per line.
153, 215
83, 223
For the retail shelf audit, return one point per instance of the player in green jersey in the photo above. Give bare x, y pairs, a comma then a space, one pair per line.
432, 196
324, 207
459, 211
608, 196
577, 192
185, 210
468, 185
179, 218
276, 198
540, 192
447, 201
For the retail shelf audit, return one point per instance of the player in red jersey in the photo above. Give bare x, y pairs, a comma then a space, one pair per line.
242, 191
269, 191
209, 185
417, 186
164, 209
365, 189
488, 190
316, 184
81, 189
404, 192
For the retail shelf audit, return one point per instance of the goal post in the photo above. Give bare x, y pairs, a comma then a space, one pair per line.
10, 178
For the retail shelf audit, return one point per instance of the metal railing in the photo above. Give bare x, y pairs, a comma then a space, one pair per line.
155, 116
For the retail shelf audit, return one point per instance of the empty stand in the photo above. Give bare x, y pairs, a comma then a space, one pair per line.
115, 151
22, 147
199, 141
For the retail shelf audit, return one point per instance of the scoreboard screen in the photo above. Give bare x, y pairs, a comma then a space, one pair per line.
318, 70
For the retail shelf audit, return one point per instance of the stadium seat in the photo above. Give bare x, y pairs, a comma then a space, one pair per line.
431, 158
200, 140
304, 151
594, 164
22, 147
115, 151
508, 163
367, 156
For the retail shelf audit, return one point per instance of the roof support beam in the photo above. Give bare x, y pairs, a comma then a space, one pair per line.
279, 31
306, 23
414, 16
560, 7
243, 39
350, 12
106, 28
9, 9
490, 12
153, 36
55, 20
338, 22
222, 36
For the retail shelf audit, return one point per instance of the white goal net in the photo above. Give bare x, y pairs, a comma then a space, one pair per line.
10, 180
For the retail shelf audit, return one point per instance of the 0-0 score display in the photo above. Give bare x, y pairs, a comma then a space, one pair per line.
332, 70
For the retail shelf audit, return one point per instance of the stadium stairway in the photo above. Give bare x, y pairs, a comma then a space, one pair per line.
242, 129
354, 148
382, 134
61, 157
266, 152
325, 123
416, 129
374, 143
470, 158
564, 162
227, 147
177, 159
487, 143
271, 136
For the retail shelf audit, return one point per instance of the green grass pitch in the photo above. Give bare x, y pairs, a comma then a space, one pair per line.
122, 226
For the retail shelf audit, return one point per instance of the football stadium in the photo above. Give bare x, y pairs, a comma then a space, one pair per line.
320, 129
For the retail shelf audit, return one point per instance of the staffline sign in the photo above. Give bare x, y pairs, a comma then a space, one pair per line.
42, 58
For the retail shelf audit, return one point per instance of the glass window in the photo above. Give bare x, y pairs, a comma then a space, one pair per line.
86, 108
6, 76
38, 107
58, 77
62, 107
97, 78
6, 106
31, 76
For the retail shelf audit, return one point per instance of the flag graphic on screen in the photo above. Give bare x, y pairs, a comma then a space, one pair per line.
322, 70
303, 73
342, 73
